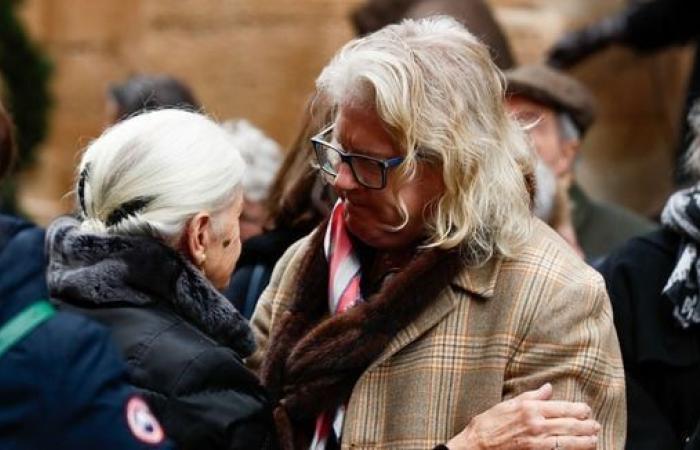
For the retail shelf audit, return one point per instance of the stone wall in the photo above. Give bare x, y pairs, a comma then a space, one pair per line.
258, 59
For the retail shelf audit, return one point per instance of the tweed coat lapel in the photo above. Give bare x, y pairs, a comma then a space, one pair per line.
480, 282
315, 359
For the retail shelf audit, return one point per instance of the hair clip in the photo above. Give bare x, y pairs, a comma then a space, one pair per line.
81, 187
127, 209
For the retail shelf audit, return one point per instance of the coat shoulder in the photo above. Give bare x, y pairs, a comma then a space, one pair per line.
173, 356
546, 256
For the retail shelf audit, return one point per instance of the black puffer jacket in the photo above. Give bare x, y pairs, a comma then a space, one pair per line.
182, 340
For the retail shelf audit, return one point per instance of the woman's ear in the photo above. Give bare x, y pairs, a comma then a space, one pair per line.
197, 238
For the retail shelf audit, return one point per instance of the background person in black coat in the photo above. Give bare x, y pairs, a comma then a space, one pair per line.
62, 383
654, 286
157, 237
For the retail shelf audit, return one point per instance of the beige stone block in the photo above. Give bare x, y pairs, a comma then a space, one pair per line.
80, 83
79, 86
640, 178
530, 31
258, 59
90, 23
262, 73
34, 17
43, 188
243, 59
208, 13
534, 25
628, 154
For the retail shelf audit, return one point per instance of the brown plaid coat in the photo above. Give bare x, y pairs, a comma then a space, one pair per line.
506, 327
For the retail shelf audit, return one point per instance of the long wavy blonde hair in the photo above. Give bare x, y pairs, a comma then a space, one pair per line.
438, 92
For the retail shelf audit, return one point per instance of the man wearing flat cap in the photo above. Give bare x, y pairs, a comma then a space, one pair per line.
557, 111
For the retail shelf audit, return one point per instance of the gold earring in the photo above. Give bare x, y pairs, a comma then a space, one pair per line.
201, 262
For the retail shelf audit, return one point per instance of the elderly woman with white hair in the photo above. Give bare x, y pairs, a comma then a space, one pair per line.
432, 293
156, 239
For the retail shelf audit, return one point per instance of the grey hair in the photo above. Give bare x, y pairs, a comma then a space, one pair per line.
436, 88
568, 131
153, 172
262, 155
546, 183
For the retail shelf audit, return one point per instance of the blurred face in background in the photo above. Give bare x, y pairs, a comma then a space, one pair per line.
253, 218
543, 129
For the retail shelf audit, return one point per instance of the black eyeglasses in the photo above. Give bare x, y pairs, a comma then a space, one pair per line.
368, 171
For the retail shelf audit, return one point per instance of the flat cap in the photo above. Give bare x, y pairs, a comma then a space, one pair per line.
555, 89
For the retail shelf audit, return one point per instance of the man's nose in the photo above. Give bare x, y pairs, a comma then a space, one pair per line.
345, 180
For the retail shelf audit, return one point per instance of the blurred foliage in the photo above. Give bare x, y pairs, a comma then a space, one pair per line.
25, 71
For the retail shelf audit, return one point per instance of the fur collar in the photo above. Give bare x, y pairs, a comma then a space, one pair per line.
315, 359
93, 271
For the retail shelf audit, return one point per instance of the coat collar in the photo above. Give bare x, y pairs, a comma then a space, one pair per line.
430, 317
110, 271
481, 280
315, 359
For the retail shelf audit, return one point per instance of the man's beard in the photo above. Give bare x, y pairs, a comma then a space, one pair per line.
546, 191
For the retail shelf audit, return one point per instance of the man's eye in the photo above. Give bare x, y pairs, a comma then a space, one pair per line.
527, 117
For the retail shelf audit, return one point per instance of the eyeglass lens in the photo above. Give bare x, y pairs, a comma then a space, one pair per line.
367, 171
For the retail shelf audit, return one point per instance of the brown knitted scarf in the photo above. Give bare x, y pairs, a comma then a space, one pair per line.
314, 359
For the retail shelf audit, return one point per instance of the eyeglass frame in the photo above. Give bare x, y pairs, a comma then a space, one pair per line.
346, 157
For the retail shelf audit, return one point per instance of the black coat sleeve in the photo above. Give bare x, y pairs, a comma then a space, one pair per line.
659, 23
90, 394
218, 404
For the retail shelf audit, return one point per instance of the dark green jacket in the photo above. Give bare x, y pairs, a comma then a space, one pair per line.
600, 227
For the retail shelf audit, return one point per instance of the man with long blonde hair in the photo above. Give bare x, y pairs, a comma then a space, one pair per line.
431, 294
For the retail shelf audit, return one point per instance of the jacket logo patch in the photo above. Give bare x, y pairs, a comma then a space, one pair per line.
142, 423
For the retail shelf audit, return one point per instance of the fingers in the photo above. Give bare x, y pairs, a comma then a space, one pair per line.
569, 443
571, 427
559, 408
543, 393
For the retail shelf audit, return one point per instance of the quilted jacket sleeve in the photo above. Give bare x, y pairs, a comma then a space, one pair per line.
218, 403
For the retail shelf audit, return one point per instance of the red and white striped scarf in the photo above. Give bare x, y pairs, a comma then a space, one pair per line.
343, 293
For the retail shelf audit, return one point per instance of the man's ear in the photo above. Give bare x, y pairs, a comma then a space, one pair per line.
197, 238
567, 157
